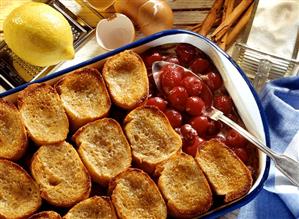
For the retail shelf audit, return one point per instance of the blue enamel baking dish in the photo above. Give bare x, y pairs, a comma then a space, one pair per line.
235, 81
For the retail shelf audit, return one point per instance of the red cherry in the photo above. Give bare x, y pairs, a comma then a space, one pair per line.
214, 127
200, 124
234, 139
193, 85
213, 80
172, 60
192, 149
158, 102
200, 66
185, 53
194, 106
223, 103
188, 133
177, 98
150, 59
241, 153
174, 117
171, 77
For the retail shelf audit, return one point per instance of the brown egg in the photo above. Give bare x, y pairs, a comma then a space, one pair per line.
150, 15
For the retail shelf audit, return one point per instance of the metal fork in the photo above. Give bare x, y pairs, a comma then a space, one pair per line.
288, 166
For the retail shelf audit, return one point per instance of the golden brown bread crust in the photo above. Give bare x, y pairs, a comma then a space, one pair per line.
135, 195
226, 173
152, 138
43, 114
84, 96
95, 207
62, 178
126, 78
184, 186
104, 149
13, 136
19, 194
46, 215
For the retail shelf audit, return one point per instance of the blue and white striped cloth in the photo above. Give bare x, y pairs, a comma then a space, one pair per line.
279, 198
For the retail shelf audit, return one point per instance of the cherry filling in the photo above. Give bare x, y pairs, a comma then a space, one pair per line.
193, 85
171, 78
185, 98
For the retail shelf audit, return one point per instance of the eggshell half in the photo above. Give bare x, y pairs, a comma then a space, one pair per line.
114, 32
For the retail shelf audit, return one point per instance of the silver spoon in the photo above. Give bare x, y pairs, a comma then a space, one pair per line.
288, 166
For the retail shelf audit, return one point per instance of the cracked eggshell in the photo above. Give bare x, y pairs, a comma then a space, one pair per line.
115, 31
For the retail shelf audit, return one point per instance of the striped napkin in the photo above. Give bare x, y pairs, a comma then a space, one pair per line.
279, 198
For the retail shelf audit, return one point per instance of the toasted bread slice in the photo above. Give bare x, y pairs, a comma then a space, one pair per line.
126, 77
13, 137
184, 186
84, 96
19, 194
60, 174
43, 114
152, 138
103, 149
135, 195
227, 174
46, 215
95, 207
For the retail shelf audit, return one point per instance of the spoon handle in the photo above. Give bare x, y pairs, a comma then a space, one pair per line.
288, 166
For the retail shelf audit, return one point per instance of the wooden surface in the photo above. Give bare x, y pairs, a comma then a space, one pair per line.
186, 12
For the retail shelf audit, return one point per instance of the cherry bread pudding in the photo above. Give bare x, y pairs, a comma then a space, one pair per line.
119, 147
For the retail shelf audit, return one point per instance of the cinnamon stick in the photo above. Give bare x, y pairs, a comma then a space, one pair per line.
211, 17
196, 28
217, 22
227, 10
225, 25
239, 27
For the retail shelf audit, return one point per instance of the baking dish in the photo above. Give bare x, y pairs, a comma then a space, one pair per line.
235, 81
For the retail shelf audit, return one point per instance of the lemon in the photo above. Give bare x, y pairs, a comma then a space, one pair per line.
38, 34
